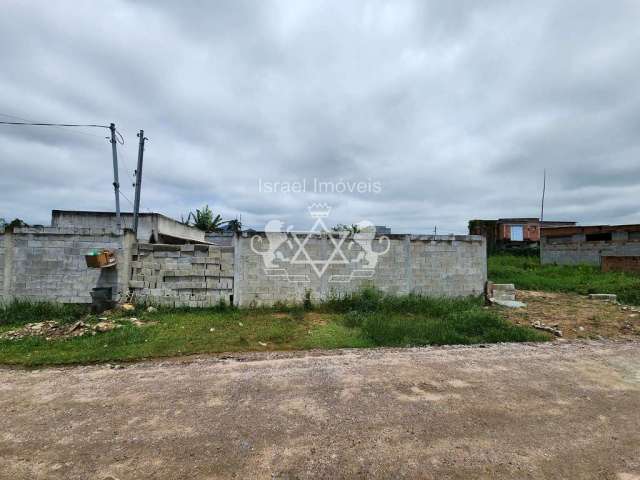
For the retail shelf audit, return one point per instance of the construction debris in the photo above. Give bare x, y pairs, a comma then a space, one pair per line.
51, 329
105, 326
508, 303
547, 328
504, 294
607, 297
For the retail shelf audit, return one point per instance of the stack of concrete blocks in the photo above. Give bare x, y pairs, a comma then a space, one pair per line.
503, 292
47, 263
450, 266
182, 275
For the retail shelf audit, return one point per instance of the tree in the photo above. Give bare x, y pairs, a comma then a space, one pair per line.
351, 229
234, 225
204, 220
15, 223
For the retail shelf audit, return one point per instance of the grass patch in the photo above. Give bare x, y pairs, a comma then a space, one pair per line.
21, 311
528, 274
365, 319
412, 320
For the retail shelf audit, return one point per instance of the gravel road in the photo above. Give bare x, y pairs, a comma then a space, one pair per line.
561, 410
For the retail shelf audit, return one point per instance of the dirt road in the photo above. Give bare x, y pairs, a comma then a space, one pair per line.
569, 410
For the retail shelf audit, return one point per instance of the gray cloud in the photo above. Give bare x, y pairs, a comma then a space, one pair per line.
455, 107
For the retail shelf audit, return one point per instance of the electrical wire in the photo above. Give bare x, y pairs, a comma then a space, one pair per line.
25, 121
53, 124
119, 139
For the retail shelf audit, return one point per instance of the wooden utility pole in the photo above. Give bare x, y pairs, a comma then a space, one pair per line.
116, 182
138, 173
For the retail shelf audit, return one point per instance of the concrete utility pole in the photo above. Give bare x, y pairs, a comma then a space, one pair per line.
116, 182
544, 189
136, 201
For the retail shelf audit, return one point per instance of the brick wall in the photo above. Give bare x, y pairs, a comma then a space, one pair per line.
182, 275
429, 265
47, 263
575, 250
629, 263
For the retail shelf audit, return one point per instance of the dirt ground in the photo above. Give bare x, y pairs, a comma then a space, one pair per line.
577, 316
553, 410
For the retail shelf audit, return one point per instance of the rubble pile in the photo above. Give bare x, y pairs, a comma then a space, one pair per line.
51, 329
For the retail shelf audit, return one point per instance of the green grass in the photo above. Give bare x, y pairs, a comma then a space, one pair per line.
364, 319
527, 274
412, 320
22, 311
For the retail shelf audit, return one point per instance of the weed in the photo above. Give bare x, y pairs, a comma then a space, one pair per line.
21, 311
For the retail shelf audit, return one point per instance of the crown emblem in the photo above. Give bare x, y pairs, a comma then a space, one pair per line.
319, 210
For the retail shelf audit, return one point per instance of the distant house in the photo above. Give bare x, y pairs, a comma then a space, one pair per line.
512, 233
612, 247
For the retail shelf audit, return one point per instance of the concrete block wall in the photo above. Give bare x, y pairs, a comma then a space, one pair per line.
452, 266
576, 250
47, 263
152, 227
182, 275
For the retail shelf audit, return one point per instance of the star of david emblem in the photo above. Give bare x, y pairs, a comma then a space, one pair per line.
276, 241
320, 266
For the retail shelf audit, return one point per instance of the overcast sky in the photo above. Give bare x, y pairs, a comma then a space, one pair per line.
453, 108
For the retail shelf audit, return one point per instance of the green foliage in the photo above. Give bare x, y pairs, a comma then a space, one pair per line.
527, 273
388, 320
457, 327
15, 223
204, 220
21, 311
234, 225
351, 229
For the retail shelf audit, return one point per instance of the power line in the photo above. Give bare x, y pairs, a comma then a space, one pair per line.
53, 124
126, 198
25, 121
119, 139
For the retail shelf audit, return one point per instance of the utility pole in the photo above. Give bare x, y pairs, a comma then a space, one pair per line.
116, 182
136, 201
544, 188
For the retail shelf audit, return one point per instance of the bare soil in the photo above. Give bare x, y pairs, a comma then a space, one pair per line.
576, 315
551, 410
